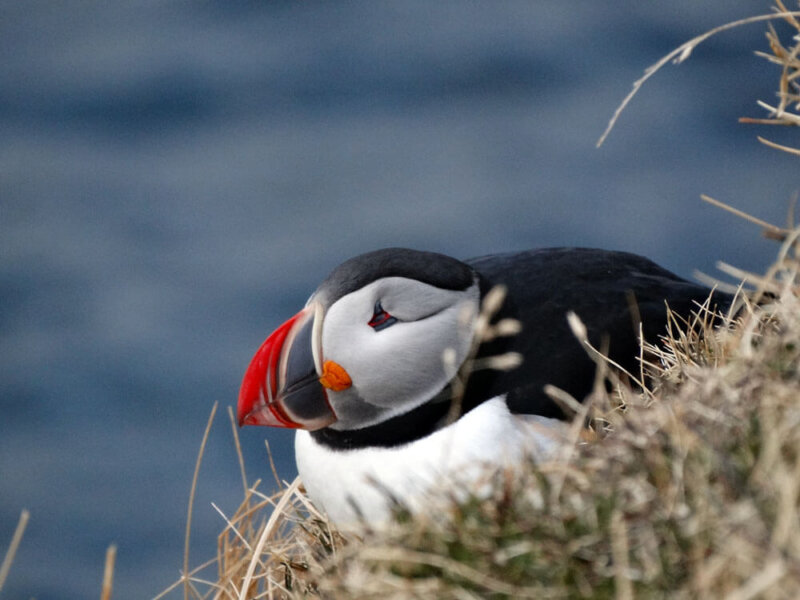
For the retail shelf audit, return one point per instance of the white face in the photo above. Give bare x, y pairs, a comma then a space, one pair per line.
399, 366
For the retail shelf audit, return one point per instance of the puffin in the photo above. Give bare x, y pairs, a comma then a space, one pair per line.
377, 372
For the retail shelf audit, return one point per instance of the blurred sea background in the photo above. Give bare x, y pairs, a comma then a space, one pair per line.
177, 177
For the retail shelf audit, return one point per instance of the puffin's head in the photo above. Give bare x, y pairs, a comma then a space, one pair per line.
384, 333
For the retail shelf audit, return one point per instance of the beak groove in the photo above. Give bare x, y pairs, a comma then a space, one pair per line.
281, 387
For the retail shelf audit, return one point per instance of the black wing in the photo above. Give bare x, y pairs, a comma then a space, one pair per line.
599, 286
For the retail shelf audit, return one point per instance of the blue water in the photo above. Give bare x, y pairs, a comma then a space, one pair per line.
176, 178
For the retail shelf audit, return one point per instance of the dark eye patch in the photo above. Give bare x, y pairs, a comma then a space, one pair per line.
380, 318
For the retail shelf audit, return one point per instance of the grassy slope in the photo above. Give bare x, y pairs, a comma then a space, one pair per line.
691, 490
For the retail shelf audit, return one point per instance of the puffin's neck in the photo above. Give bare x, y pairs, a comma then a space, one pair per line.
402, 429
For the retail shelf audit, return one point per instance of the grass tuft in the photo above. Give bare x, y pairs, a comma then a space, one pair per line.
689, 488
786, 58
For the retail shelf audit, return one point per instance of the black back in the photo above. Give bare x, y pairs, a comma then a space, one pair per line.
543, 286
599, 286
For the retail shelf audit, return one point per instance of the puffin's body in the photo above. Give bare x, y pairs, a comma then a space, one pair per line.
365, 370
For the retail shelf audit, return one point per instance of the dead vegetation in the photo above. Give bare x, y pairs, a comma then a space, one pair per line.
788, 107
690, 490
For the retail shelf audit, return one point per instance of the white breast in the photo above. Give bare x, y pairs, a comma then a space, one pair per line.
349, 483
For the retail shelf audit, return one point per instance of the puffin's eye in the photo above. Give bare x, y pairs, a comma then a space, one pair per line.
380, 318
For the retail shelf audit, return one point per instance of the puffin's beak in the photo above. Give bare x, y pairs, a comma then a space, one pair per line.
281, 387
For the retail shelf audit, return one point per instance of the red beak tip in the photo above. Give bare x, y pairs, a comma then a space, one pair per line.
244, 408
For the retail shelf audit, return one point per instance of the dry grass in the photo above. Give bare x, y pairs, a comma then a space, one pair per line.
5, 567
788, 91
691, 490
688, 490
